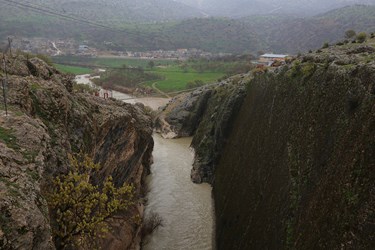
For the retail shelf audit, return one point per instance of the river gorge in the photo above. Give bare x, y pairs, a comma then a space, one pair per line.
289, 152
186, 208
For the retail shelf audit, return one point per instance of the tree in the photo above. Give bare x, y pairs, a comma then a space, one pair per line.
350, 34
260, 52
194, 84
361, 37
151, 64
184, 67
82, 209
325, 45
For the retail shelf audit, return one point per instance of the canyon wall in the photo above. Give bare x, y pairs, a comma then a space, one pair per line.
47, 121
298, 169
207, 114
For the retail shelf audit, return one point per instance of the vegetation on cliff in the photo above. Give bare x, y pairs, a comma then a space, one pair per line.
81, 209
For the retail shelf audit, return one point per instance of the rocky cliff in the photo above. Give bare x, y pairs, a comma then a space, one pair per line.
298, 169
207, 114
47, 121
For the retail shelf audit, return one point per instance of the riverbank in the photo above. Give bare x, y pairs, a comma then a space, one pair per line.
152, 102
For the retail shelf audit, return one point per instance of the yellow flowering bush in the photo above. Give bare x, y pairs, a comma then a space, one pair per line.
80, 208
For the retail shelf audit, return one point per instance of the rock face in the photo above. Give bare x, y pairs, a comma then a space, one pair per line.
46, 122
214, 128
298, 169
207, 113
181, 117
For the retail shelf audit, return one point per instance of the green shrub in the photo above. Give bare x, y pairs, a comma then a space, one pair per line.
42, 57
80, 208
350, 34
84, 88
361, 37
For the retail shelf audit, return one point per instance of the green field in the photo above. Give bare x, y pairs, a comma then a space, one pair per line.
73, 69
106, 62
174, 78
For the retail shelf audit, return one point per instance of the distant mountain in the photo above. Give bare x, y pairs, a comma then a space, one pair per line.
291, 35
242, 8
107, 11
281, 34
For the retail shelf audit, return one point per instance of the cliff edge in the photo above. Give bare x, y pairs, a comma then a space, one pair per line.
298, 169
207, 113
48, 120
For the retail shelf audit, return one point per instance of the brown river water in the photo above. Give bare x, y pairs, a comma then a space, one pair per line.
186, 208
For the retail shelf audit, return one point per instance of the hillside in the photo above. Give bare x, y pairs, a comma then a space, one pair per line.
271, 33
276, 33
294, 35
243, 8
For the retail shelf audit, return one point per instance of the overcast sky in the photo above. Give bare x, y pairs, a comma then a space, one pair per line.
250, 7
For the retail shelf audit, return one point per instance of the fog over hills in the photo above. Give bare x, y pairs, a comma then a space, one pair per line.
242, 8
140, 25
115, 11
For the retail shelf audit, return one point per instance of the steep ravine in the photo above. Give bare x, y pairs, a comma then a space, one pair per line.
47, 121
208, 114
293, 166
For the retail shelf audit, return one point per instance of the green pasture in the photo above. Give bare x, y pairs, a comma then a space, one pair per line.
73, 69
176, 79
109, 61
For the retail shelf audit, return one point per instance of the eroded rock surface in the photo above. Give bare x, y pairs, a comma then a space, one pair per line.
207, 114
298, 169
46, 122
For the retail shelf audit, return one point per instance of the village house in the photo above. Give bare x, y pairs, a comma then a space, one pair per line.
269, 59
104, 93
82, 48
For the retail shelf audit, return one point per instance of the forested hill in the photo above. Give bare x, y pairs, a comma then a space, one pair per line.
242, 8
275, 33
291, 35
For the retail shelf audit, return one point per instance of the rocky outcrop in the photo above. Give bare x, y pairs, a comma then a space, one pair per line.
47, 121
207, 114
181, 117
298, 169
215, 127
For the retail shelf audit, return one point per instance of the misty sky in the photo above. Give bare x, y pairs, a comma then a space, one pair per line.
249, 7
